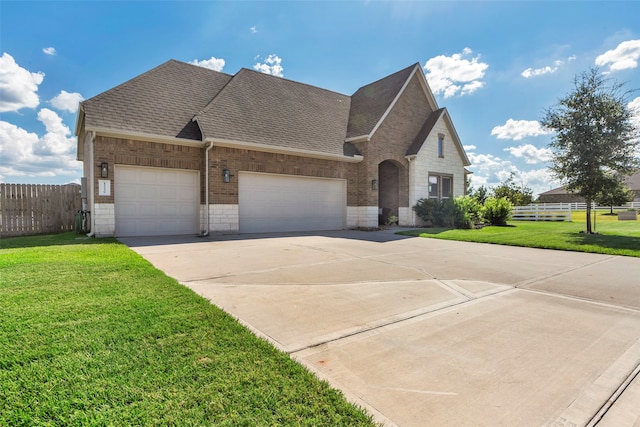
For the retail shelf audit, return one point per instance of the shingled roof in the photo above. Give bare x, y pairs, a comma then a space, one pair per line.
160, 102
632, 182
180, 100
261, 109
424, 132
370, 102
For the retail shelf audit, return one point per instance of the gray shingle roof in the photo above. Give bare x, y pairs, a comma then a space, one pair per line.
263, 109
632, 182
161, 101
180, 100
424, 132
370, 102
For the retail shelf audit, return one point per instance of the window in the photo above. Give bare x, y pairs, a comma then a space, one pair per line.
440, 145
440, 186
446, 187
434, 188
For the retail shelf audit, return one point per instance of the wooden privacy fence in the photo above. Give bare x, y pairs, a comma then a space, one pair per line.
38, 209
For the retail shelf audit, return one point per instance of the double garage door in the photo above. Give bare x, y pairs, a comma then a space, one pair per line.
155, 201
273, 203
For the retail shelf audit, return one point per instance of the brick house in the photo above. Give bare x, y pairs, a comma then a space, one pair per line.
182, 149
561, 195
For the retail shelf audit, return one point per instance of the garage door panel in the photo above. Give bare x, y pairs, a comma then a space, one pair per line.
154, 201
270, 203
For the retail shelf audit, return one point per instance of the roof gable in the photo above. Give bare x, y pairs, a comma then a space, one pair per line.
424, 132
160, 102
371, 104
261, 109
427, 128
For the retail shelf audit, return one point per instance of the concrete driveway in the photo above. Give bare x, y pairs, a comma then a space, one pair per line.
424, 332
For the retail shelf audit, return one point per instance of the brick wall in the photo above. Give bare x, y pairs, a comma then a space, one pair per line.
237, 160
390, 142
143, 153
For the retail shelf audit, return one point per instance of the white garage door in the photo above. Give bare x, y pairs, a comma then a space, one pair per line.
271, 203
155, 201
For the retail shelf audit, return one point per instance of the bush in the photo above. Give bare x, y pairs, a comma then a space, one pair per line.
470, 210
497, 211
461, 212
425, 209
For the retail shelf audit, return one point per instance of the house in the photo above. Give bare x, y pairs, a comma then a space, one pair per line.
561, 195
182, 149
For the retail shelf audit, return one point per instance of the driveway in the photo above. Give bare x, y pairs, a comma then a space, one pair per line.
430, 332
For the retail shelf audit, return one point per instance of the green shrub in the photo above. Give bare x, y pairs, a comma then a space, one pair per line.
425, 209
470, 211
497, 211
461, 212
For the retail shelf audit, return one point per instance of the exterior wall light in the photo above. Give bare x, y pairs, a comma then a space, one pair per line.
226, 176
374, 184
104, 170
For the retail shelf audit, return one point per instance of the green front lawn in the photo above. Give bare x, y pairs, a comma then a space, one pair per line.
92, 334
614, 238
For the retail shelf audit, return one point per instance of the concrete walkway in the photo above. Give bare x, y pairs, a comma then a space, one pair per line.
427, 332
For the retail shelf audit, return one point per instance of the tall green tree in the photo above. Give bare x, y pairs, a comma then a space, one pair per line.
595, 138
614, 194
517, 195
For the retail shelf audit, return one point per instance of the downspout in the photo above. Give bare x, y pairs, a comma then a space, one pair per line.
92, 186
206, 186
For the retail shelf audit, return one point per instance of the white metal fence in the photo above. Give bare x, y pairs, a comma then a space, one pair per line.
559, 211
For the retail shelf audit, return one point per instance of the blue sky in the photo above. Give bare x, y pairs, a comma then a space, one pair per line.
495, 65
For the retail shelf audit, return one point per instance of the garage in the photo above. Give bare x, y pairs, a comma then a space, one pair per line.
155, 201
275, 203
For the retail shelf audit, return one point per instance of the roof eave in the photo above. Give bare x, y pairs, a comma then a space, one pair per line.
463, 153
118, 133
243, 145
361, 138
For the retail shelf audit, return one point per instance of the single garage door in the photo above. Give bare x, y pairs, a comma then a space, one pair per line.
155, 201
272, 203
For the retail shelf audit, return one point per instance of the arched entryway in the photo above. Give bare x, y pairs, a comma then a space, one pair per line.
388, 191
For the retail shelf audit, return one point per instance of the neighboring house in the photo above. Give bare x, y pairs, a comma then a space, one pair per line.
560, 195
182, 149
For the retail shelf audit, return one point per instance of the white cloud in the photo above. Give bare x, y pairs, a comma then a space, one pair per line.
634, 108
490, 171
454, 74
49, 50
67, 101
530, 153
253, 29
533, 72
469, 147
272, 65
623, 57
518, 129
530, 72
212, 63
25, 154
18, 86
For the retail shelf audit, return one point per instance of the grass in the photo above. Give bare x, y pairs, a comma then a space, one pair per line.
614, 238
92, 335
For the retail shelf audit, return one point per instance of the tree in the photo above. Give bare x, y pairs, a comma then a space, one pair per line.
518, 196
595, 138
481, 194
614, 194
